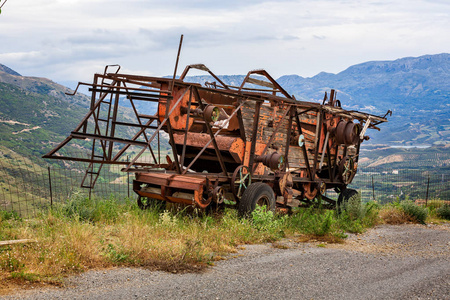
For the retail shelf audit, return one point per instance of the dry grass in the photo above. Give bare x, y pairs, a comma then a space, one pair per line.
158, 241
82, 235
393, 215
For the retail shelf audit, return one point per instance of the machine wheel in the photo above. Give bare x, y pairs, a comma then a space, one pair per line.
344, 196
240, 181
258, 193
347, 170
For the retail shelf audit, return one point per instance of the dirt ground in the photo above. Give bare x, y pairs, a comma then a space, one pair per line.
387, 262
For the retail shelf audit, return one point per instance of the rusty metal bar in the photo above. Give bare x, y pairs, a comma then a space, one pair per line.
305, 153
140, 123
79, 135
113, 124
176, 65
317, 144
254, 135
288, 138
276, 130
156, 131
216, 134
210, 132
183, 152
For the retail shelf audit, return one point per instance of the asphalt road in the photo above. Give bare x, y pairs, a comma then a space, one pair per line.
388, 262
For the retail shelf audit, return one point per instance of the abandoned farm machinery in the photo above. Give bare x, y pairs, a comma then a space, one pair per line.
246, 145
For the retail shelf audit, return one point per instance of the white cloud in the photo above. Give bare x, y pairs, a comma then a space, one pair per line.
70, 40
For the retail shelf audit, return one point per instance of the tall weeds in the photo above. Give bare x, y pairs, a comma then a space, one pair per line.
84, 234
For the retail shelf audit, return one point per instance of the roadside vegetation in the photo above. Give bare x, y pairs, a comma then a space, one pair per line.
101, 233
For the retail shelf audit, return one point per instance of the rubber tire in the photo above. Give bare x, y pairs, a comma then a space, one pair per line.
252, 195
344, 196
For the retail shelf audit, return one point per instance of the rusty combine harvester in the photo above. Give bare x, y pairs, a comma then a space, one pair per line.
246, 145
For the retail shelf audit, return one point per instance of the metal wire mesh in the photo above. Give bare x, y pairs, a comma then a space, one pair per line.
27, 188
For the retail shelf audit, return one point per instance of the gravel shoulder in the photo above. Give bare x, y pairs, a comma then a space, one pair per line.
387, 262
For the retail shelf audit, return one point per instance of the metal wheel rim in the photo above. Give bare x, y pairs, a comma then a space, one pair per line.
264, 200
240, 181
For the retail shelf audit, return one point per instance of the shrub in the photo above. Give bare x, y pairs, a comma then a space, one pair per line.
392, 214
315, 222
265, 220
415, 212
444, 212
91, 210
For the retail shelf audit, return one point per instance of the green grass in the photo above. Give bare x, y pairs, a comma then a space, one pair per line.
87, 233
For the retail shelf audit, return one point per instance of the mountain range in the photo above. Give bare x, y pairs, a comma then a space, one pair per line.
415, 89
36, 113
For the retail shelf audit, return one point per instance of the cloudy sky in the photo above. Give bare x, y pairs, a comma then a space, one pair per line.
70, 40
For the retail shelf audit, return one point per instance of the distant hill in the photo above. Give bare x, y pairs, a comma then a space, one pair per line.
416, 89
35, 113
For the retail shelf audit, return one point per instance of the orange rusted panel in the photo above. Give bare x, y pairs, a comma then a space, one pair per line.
234, 145
259, 148
177, 118
174, 188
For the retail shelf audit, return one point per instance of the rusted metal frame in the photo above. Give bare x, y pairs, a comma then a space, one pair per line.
335, 167
139, 78
141, 131
156, 87
96, 117
156, 132
328, 157
357, 151
98, 87
176, 66
142, 116
305, 153
241, 126
202, 67
288, 138
152, 90
113, 124
97, 131
159, 145
253, 89
254, 135
139, 96
92, 104
210, 141
317, 144
265, 74
88, 160
93, 181
169, 126
173, 146
79, 135
56, 149
210, 132
136, 136
183, 152
248, 95
143, 127
82, 124
171, 141
273, 133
